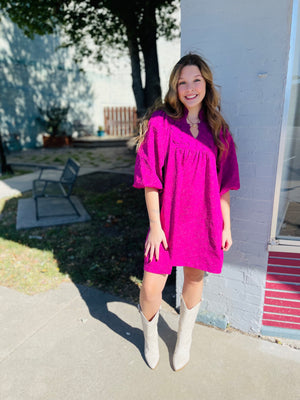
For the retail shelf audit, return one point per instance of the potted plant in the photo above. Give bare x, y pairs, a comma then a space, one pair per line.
54, 118
100, 131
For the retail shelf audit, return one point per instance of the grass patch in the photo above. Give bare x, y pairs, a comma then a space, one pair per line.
27, 269
58, 159
17, 172
106, 252
76, 156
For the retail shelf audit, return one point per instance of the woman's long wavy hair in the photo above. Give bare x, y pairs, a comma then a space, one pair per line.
175, 109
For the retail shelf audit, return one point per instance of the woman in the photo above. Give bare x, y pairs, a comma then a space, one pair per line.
186, 162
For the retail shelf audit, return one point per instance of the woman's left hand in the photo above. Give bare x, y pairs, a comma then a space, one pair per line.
226, 239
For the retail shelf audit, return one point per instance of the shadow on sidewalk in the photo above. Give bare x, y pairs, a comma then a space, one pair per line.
98, 305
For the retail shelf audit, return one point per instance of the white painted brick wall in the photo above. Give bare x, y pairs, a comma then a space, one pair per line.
246, 43
33, 74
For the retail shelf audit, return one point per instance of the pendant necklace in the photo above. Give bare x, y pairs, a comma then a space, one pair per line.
193, 124
193, 127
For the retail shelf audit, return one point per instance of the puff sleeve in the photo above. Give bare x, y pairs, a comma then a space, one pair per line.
228, 172
151, 155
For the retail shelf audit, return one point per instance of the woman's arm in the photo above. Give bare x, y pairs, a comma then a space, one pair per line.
156, 234
226, 234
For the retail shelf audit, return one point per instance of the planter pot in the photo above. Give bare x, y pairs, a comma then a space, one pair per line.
56, 141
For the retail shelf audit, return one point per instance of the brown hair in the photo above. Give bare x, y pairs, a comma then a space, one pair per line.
175, 109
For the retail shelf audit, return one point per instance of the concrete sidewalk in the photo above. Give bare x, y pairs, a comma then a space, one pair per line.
77, 343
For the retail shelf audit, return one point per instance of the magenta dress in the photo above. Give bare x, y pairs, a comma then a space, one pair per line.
184, 171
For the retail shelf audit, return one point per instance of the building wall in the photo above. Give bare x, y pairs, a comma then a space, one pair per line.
247, 45
33, 74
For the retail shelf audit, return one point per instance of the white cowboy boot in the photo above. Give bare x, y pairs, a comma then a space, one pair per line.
187, 320
151, 339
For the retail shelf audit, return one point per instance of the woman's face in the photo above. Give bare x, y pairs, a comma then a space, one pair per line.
191, 87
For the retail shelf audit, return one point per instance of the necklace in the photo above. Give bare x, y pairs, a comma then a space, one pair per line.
193, 124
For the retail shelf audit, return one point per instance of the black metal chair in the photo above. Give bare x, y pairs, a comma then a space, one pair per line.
56, 185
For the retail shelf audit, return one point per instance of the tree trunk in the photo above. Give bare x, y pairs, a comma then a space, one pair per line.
148, 39
144, 38
4, 167
137, 85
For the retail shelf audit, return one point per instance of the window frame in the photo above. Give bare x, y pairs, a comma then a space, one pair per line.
285, 244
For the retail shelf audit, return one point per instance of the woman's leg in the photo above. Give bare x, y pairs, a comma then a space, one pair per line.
190, 302
150, 300
192, 286
151, 293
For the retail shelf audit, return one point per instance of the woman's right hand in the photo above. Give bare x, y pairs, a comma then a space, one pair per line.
155, 238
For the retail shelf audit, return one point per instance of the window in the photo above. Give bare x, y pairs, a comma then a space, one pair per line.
286, 217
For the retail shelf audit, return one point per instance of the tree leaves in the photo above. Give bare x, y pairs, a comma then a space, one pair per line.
87, 24
95, 27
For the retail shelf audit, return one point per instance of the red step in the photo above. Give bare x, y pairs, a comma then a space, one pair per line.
282, 303
283, 278
281, 310
283, 270
284, 255
278, 317
280, 261
282, 295
288, 287
280, 324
